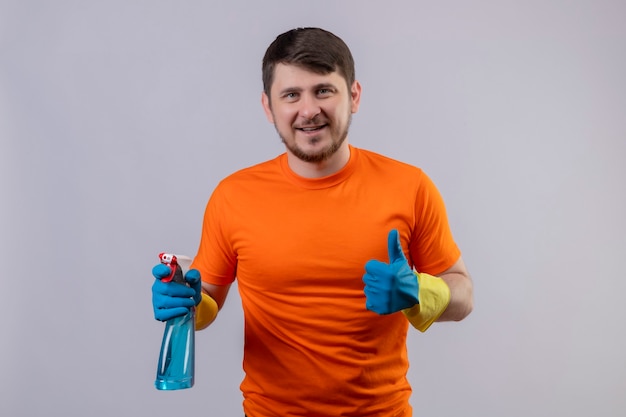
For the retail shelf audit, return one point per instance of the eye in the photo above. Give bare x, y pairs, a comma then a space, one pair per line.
291, 96
324, 92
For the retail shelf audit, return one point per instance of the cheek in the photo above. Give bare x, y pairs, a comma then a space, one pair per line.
283, 117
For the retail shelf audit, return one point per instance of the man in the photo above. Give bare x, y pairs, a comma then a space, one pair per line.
335, 249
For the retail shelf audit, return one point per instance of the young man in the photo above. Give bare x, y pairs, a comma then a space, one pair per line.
335, 249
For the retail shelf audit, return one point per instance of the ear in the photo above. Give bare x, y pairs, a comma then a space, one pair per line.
355, 96
267, 107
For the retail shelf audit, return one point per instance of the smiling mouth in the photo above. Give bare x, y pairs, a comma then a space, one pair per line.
311, 128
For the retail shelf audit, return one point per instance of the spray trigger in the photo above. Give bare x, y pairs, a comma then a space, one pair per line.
176, 273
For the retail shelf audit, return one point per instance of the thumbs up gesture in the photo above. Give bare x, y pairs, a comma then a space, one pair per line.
393, 286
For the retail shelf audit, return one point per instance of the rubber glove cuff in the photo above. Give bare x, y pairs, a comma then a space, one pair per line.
434, 299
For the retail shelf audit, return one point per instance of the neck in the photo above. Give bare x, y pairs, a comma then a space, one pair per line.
323, 168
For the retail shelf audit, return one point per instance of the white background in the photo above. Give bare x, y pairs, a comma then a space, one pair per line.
118, 118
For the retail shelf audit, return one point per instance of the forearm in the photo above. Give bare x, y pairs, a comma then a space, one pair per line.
213, 297
461, 296
447, 297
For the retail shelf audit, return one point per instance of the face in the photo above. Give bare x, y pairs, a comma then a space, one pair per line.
311, 112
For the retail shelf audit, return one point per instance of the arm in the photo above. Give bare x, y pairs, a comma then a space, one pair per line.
217, 292
447, 297
461, 292
213, 298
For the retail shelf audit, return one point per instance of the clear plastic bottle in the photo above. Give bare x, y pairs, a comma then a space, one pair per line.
176, 359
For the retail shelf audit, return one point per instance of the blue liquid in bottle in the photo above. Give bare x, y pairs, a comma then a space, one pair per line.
176, 360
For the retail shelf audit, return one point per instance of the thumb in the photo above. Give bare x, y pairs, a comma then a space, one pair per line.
161, 271
394, 247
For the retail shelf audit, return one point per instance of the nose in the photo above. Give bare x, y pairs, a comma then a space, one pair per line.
309, 107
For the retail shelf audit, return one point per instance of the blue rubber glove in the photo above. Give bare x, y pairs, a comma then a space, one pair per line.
393, 286
172, 299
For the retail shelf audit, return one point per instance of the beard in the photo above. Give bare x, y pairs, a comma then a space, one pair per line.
338, 137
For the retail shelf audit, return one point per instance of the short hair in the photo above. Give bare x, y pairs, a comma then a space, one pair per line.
314, 49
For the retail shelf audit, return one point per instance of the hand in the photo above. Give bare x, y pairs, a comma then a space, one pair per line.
390, 287
172, 299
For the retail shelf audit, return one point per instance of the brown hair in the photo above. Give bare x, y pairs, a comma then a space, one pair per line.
311, 48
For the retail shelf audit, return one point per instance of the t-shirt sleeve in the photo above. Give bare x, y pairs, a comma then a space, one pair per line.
216, 259
432, 246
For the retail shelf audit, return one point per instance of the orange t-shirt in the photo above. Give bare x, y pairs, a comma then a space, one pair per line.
298, 248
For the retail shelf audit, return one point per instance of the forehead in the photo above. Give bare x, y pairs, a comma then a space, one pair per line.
297, 77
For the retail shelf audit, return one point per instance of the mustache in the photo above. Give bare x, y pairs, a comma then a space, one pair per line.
318, 120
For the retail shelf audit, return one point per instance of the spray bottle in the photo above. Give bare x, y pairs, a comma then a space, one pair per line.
176, 360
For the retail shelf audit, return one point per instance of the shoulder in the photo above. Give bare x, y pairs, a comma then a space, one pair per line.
380, 163
249, 185
396, 176
252, 174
